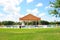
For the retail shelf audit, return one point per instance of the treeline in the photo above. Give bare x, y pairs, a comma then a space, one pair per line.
42, 22
10, 23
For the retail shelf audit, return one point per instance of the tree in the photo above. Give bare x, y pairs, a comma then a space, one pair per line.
58, 23
54, 12
18, 23
0, 23
56, 8
56, 4
8, 23
44, 22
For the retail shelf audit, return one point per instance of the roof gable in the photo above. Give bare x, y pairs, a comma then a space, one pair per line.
29, 17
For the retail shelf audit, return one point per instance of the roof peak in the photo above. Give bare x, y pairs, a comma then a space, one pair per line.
30, 17
29, 14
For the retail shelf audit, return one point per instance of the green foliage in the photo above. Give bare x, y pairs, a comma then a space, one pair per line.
29, 23
56, 4
8, 23
54, 13
44, 22
0, 23
32, 23
41, 22
25, 23
18, 23
56, 8
58, 23
54, 23
35, 22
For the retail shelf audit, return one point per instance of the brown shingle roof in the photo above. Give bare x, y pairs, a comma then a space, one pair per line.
29, 17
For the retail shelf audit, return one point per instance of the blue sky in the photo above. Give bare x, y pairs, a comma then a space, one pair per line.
12, 10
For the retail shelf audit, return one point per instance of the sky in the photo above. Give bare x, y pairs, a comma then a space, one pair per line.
12, 10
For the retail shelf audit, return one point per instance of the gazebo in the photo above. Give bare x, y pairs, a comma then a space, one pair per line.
29, 18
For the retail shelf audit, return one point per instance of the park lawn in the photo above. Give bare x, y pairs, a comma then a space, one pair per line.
30, 34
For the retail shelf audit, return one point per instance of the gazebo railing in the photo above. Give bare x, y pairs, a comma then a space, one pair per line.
28, 26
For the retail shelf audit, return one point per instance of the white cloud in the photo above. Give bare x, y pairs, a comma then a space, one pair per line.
42, 14
39, 5
29, 1
45, 17
49, 6
34, 11
1, 14
12, 2
11, 17
10, 7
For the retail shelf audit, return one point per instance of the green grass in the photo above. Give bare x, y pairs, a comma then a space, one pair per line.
30, 34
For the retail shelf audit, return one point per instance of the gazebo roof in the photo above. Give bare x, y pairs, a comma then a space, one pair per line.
29, 17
